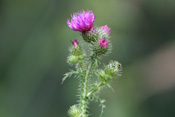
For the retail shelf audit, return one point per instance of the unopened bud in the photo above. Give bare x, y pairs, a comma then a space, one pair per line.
110, 71
75, 42
72, 59
103, 32
105, 28
74, 111
103, 43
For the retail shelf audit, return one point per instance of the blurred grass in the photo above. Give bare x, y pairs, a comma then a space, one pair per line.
33, 45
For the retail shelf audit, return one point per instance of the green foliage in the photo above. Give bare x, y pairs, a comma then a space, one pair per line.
69, 74
101, 101
90, 94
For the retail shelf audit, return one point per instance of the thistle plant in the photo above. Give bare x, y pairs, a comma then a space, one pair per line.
86, 62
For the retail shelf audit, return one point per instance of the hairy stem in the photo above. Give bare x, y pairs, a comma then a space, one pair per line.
83, 99
93, 90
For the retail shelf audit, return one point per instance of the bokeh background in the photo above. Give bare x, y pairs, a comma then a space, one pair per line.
34, 41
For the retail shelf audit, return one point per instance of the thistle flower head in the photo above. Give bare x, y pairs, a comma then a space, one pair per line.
75, 42
106, 29
82, 21
103, 43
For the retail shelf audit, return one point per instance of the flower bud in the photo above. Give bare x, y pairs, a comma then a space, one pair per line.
105, 28
103, 76
72, 59
110, 71
103, 43
74, 111
103, 32
76, 54
75, 42
101, 47
113, 68
75, 49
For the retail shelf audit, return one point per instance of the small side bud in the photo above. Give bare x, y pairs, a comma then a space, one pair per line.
74, 111
75, 42
103, 32
103, 43
76, 53
105, 28
101, 47
103, 76
112, 69
72, 59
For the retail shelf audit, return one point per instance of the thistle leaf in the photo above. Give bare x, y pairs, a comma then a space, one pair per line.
69, 74
101, 101
109, 86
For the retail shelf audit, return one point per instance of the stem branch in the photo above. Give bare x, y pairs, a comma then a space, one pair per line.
93, 90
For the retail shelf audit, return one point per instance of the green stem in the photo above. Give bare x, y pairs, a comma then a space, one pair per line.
93, 90
83, 99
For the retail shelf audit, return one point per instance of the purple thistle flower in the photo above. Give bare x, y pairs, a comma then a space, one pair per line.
103, 43
106, 29
75, 42
82, 21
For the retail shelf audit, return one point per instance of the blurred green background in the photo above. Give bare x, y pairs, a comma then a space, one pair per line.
34, 41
